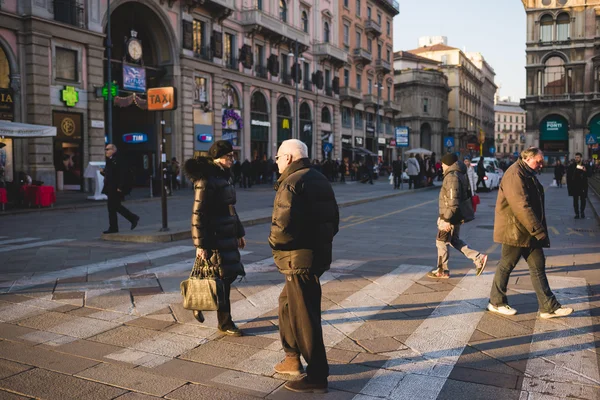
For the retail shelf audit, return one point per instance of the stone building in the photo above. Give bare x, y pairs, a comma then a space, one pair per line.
509, 129
563, 76
469, 84
366, 81
422, 91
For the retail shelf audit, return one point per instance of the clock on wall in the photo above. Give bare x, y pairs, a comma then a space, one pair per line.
134, 47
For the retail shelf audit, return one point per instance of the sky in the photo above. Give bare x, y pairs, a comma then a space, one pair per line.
496, 29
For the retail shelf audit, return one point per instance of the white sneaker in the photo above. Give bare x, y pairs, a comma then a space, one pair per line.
504, 310
560, 312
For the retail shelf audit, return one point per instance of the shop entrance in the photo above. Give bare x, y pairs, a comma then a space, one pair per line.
554, 138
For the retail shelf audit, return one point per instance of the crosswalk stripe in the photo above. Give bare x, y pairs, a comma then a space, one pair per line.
341, 320
35, 244
49, 277
421, 371
18, 240
562, 362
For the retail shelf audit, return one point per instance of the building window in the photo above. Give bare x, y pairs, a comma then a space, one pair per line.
346, 3
358, 39
66, 64
389, 55
370, 86
282, 10
258, 4
378, 51
199, 37
260, 55
346, 117
389, 28
379, 19
358, 7
229, 50
546, 28
358, 119
346, 77
554, 77
359, 82
69, 12
369, 46
563, 25
325, 115
510, 118
389, 93
510, 130
326, 32
368, 12
346, 35
305, 21
425, 105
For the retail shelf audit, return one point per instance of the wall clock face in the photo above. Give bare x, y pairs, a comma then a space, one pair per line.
134, 48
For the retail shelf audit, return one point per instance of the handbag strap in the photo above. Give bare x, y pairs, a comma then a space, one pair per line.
203, 269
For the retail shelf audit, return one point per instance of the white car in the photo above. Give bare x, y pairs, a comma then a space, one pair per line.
493, 172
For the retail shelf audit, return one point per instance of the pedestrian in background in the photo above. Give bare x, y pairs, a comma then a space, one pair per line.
559, 172
116, 186
412, 169
455, 209
305, 220
397, 171
480, 173
471, 175
520, 226
176, 170
577, 185
217, 232
247, 177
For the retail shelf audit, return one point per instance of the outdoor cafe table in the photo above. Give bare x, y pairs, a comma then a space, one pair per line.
41, 196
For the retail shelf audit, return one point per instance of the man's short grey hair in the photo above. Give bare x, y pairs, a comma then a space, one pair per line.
294, 147
530, 152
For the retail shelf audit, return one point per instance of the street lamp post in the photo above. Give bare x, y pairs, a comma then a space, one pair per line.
294, 56
378, 87
109, 99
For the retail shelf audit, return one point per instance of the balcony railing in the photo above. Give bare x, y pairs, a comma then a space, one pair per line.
383, 66
203, 53
372, 27
286, 79
232, 63
350, 93
499, 140
271, 26
392, 106
307, 85
261, 71
330, 52
69, 12
328, 90
391, 6
371, 99
362, 56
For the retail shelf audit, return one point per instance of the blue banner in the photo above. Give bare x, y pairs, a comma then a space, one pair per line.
134, 78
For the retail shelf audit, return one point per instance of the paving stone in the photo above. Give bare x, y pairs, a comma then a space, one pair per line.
283, 394
453, 390
149, 323
478, 336
136, 396
220, 354
338, 355
474, 359
68, 324
74, 279
500, 327
115, 300
14, 332
201, 392
188, 370
51, 385
371, 360
381, 345
93, 350
484, 377
350, 377
505, 350
250, 340
9, 368
348, 344
247, 383
145, 291
14, 298
132, 379
42, 358
194, 330
11, 396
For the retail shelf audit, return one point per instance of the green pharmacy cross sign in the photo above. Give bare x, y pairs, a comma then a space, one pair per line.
70, 96
113, 90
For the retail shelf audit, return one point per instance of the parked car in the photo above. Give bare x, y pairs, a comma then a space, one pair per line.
493, 172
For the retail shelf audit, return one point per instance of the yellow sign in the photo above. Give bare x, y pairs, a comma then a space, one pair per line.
285, 124
162, 99
481, 136
595, 156
67, 126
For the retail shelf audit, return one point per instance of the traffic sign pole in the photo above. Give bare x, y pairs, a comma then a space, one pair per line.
163, 171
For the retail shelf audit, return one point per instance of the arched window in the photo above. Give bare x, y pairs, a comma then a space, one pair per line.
305, 112
258, 103
546, 28
325, 116
4, 70
326, 32
563, 27
283, 107
283, 10
554, 76
305, 21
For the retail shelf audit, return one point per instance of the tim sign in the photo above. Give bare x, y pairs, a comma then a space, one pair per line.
162, 99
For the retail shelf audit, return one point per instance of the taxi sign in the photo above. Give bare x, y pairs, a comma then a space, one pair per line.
162, 99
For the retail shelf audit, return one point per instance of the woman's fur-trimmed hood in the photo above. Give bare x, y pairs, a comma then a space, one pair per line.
203, 168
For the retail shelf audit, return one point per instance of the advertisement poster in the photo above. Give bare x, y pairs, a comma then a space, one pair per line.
6, 160
134, 78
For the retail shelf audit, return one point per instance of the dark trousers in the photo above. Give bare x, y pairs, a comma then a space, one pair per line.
537, 271
579, 204
480, 180
412, 179
224, 314
342, 177
300, 323
246, 181
114, 207
397, 178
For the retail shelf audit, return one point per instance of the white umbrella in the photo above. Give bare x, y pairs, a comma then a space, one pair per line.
418, 150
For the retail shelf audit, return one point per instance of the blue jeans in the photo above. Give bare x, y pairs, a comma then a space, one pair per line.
537, 271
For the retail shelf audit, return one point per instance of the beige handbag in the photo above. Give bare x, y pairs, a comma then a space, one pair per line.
203, 290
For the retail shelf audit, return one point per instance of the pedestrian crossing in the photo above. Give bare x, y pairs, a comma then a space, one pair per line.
23, 246
414, 365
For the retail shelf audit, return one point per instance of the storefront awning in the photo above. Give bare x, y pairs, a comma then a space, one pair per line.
19, 130
365, 151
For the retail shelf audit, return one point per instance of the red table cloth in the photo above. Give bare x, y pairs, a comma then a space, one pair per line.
43, 196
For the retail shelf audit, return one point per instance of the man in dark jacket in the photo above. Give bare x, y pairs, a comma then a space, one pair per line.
480, 173
246, 174
305, 220
520, 226
115, 188
577, 185
455, 209
397, 169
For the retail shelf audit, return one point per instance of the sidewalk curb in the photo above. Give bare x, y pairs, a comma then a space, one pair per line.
594, 202
182, 234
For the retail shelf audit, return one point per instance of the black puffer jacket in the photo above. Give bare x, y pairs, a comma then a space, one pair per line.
305, 220
215, 224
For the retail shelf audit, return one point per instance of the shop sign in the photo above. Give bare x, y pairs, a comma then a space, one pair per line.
7, 105
232, 120
68, 125
346, 139
162, 99
135, 138
472, 146
393, 143
554, 128
114, 88
97, 123
285, 123
381, 140
205, 138
260, 123
70, 96
134, 78
231, 136
359, 141
401, 133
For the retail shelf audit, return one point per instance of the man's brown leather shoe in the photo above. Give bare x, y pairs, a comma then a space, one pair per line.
291, 365
304, 385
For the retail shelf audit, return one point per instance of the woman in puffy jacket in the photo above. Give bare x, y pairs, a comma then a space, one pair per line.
217, 231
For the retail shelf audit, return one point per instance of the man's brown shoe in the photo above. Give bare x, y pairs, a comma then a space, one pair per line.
291, 365
304, 385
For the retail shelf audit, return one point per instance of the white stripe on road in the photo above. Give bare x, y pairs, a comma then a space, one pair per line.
18, 240
421, 371
341, 320
562, 362
36, 244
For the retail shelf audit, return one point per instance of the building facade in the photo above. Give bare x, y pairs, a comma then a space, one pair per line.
422, 91
563, 76
469, 85
509, 129
255, 75
368, 107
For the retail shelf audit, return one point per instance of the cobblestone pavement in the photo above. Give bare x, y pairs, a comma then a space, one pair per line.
85, 319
